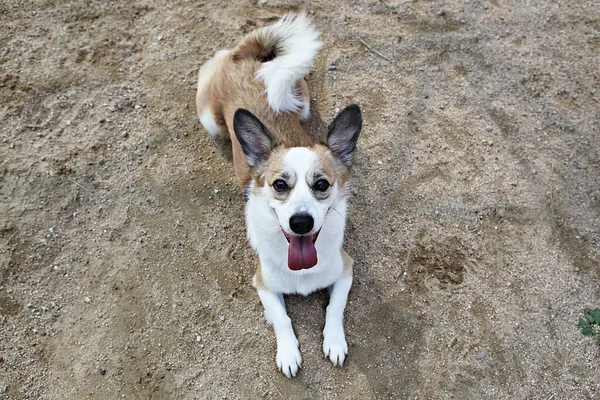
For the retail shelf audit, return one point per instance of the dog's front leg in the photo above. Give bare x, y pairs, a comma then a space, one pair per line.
334, 339
289, 359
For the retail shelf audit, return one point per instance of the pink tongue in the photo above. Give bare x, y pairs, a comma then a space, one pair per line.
302, 253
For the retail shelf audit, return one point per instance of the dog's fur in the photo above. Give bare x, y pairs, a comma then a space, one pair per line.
255, 95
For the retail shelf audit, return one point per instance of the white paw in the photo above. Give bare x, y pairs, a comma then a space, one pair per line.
289, 359
335, 346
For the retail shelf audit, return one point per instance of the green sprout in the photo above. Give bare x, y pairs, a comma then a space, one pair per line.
590, 323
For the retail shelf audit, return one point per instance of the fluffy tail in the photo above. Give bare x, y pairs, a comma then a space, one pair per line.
287, 50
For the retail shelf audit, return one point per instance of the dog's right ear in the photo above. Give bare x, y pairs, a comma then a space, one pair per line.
255, 139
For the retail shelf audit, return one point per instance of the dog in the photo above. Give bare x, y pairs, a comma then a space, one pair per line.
295, 188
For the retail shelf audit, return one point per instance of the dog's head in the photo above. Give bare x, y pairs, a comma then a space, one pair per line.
300, 184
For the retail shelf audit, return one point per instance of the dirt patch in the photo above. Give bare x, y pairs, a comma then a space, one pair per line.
443, 261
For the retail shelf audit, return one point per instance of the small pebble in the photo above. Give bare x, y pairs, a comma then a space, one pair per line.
332, 68
87, 299
480, 356
489, 128
42, 158
102, 371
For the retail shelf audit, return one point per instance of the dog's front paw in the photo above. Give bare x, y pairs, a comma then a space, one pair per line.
335, 346
289, 359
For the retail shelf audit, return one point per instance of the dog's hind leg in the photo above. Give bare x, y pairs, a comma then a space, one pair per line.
289, 359
203, 104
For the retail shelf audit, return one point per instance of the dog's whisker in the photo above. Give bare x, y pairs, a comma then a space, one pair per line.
337, 212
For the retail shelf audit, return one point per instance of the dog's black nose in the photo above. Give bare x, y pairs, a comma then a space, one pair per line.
301, 223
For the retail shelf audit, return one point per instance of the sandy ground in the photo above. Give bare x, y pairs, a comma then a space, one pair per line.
475, 215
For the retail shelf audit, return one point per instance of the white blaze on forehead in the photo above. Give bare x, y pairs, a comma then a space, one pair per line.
300, 159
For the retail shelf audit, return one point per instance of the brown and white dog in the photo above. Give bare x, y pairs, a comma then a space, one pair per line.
256, 96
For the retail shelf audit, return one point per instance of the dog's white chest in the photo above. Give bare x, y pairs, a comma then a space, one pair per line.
280, 278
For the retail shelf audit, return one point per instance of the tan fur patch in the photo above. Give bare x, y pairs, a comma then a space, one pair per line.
255, 45
257, 281
348, 262
276, 165
303, 90
276, 169
331, 168
325, 163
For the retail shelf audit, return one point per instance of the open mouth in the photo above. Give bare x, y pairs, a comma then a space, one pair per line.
302, 253
313, 237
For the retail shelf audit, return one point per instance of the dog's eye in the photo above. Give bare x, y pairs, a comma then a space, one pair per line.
321, 185
280, 185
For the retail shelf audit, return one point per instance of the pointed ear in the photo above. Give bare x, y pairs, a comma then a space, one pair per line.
343, 133
255, 139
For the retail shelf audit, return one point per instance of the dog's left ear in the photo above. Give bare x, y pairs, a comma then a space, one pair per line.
343, 133
255, 139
